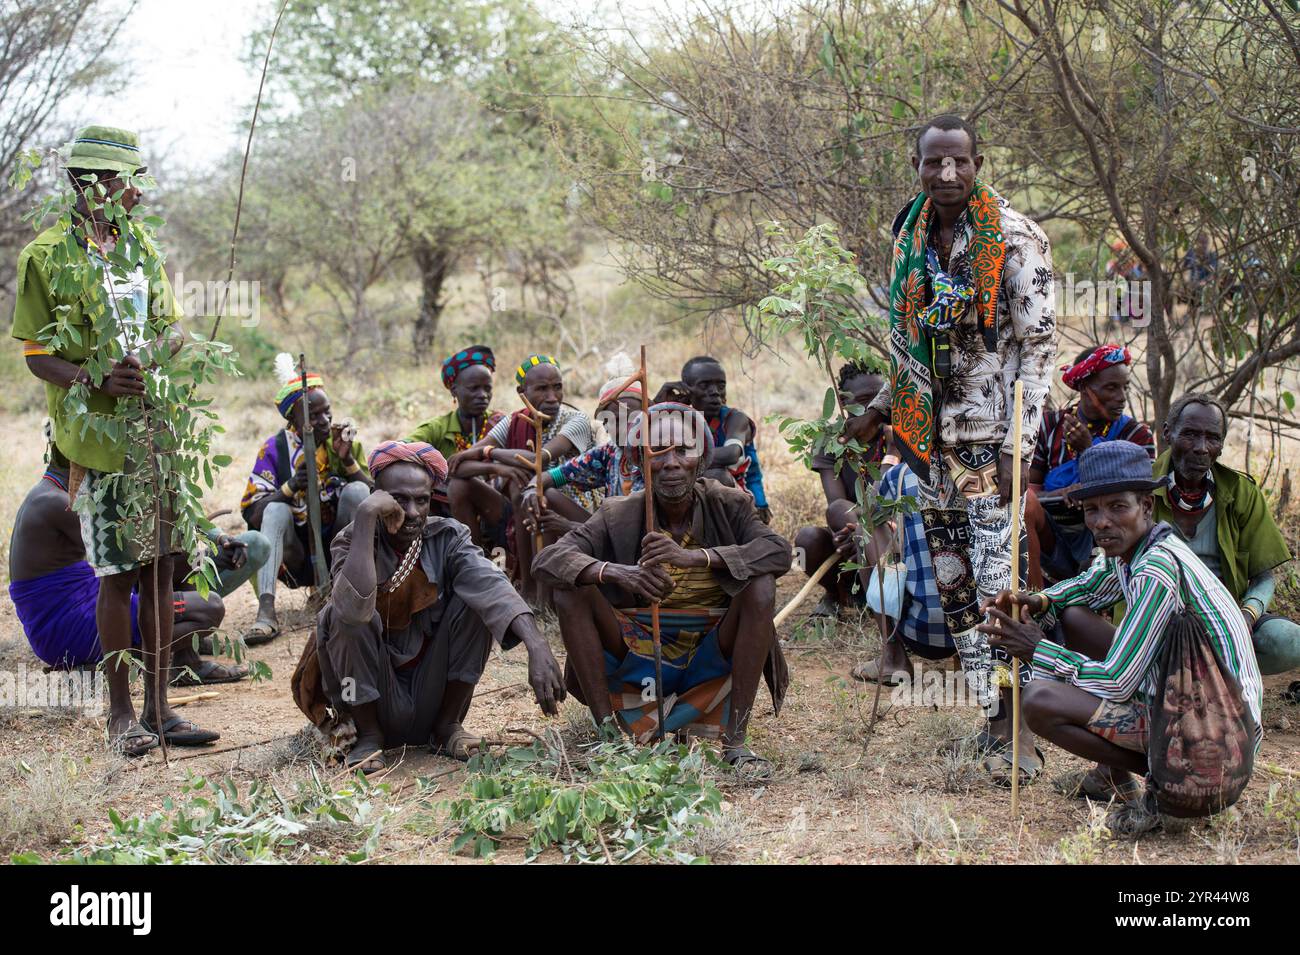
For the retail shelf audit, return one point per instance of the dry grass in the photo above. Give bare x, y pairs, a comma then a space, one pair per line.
46, 798
837, 796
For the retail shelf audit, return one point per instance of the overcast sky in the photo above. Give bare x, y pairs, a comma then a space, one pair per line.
189, 93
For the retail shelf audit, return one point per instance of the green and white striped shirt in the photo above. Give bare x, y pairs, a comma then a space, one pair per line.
1150, 587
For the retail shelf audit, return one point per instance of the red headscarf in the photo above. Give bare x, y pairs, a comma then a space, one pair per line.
1101, 357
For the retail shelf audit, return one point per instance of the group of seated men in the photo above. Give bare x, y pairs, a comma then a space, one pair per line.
461, 499
411, 619
456, 510
1198, 511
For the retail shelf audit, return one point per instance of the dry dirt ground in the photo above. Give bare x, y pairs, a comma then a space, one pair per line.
837, 796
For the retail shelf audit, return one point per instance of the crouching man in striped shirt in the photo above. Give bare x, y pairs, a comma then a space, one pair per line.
1094, 681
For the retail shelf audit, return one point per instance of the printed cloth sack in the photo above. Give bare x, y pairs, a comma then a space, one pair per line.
1202, 744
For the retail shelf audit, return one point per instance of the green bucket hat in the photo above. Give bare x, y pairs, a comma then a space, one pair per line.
104, 147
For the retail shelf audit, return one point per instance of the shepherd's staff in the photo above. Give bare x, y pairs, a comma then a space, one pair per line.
646, 454
538, 420
1017, 430
319, 572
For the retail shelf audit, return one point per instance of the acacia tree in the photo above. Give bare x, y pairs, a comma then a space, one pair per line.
53, 50
1157, 122
800, 116
496, 57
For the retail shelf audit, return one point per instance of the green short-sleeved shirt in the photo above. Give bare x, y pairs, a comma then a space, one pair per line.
438, 433
35, 308
1248, 537
444, 432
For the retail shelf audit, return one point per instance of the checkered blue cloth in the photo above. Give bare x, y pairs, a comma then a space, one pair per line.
923, 621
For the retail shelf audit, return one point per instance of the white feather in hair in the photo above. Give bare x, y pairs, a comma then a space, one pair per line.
620, 365
285, 368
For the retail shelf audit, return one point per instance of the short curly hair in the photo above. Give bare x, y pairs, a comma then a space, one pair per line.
1194, 398
854, 369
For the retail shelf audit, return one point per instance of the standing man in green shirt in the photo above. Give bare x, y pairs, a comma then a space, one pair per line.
56, 321
1224, 518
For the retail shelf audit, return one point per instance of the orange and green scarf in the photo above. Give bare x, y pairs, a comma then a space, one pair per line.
921, 304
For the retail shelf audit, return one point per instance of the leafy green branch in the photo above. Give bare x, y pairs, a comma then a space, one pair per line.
213, 822
617, 803
818, 284
168, 432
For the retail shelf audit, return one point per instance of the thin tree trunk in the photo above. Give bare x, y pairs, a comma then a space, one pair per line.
434, 262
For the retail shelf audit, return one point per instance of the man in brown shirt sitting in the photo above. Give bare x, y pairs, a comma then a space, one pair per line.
412, 615
711, 566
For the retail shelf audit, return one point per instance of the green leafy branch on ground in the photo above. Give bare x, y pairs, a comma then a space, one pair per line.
213, 822
616, 802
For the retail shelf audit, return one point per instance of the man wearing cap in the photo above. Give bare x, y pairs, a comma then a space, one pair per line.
468, 375
711, 565
1094, 681
1223, 516
507, 453
971, 313
1058, 539
275, 497
102, 163
610, 467
412, 615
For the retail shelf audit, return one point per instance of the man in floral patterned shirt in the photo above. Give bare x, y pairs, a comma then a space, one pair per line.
971, 313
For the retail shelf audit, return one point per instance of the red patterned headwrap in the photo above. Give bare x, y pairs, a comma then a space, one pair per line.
1102, 357
415, 452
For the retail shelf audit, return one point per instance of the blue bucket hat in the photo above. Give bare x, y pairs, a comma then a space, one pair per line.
1112, 467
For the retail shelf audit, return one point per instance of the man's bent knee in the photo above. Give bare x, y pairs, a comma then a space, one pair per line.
1036, 704
577, 599
811, 538
258, 548
760, 592
276, 517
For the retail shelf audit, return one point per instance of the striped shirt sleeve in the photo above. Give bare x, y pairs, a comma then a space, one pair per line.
499, 431
576, 426
1097, 588
1153, 601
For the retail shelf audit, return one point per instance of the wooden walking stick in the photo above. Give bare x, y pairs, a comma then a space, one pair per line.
319, 572
643, 377
1017, 430
539, 420
649, 528
813, 580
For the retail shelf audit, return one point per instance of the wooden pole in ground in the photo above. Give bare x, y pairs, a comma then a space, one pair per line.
320, 574
649, 528
1017, 432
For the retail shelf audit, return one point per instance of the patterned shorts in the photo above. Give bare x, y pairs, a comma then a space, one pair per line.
114, 543
1127, 725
